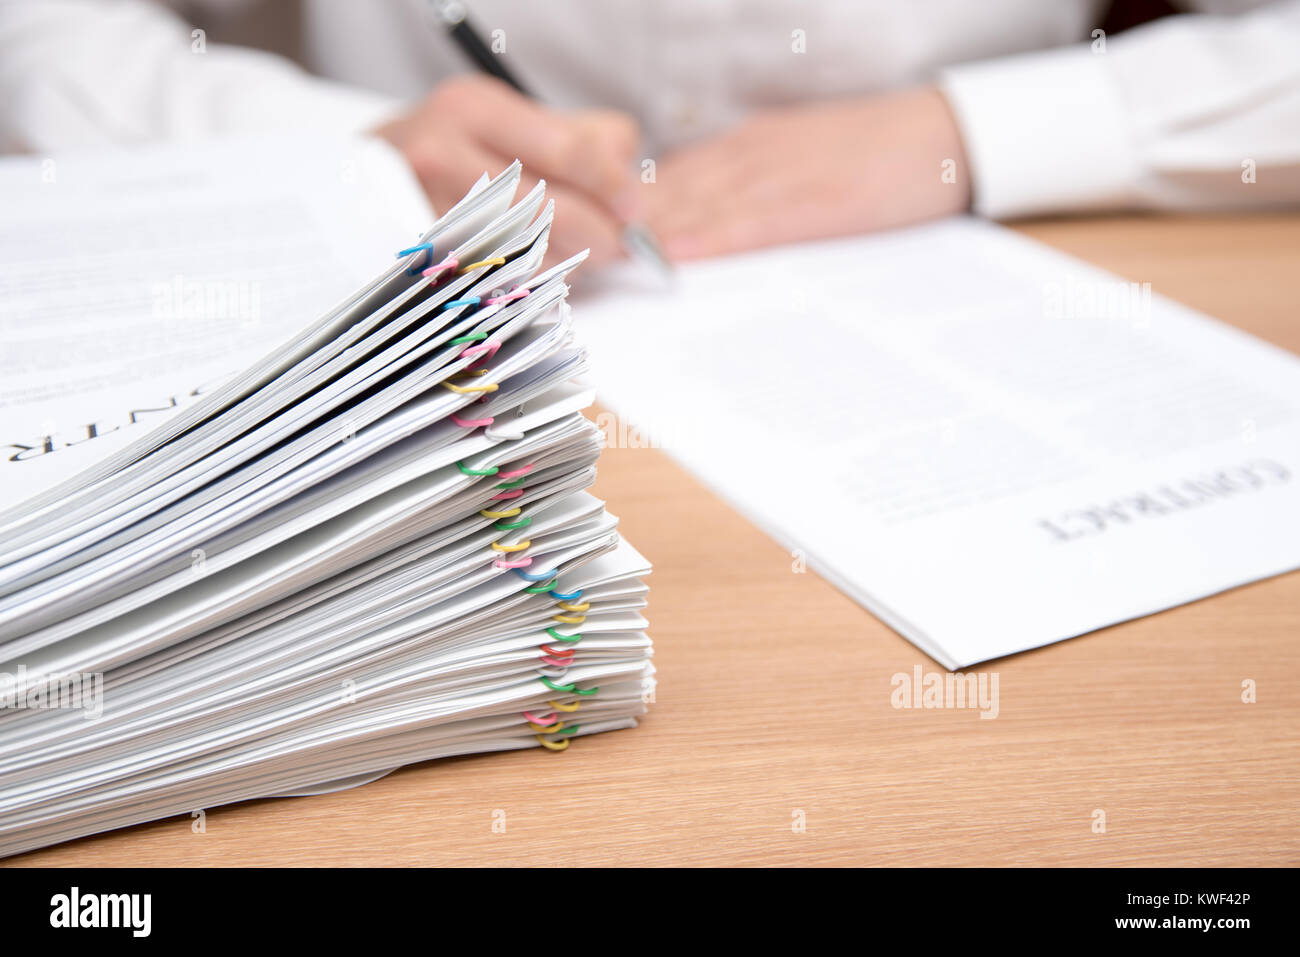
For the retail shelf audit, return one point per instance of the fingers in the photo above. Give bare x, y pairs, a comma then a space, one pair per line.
591, 151
447, 163
727, 208
476, 124
604, 145
581, 224
697, 199
578, 224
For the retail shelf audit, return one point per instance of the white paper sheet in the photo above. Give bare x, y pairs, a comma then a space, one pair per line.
985, 442
133, 281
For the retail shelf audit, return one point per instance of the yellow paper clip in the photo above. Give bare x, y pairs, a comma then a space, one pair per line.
466, 389
569, 606
511, 548
553, 745
498, 261
508, 513
566, 708
569, 619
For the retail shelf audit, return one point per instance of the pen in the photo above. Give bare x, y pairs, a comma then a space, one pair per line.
637, 239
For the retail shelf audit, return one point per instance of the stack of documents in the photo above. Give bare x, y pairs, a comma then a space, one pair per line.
370, 548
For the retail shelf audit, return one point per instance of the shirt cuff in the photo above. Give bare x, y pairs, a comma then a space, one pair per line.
1044, 132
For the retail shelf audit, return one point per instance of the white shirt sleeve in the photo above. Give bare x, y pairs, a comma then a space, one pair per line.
78, 73
1190, 112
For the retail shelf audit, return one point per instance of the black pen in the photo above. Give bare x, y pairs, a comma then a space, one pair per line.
637, 239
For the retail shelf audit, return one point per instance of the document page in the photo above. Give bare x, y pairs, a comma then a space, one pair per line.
990, 445
133, 281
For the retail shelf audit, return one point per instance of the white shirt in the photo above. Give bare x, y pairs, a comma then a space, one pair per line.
1182, 113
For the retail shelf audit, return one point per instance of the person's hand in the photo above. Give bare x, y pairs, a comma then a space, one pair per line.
811, 172
473, 124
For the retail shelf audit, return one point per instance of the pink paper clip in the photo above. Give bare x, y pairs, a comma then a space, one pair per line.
557, 662
485, 350
515, 473
451, 262
547, 719
471, 423
516, 563
508, 297
502, 496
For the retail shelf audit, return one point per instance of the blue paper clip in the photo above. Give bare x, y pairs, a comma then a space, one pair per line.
538, 576
428, 257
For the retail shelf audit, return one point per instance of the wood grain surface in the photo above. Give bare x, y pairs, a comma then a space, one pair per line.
774, 699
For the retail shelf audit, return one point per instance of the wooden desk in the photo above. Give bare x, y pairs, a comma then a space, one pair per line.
774, 698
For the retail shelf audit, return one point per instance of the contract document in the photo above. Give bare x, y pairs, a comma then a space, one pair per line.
990, 445
131, 283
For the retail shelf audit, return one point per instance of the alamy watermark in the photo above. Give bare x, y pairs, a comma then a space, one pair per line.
974, 690
208, 299
621, 433
58, 690
1097, 299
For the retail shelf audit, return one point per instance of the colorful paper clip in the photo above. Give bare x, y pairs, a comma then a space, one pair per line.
514, 473
496, 434
451, 262
508, 297
570, 688
470, 423
428, 257
537, 577
497, 261
485, 351
467, 389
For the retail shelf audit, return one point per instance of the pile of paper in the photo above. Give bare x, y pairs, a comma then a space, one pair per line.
371, 548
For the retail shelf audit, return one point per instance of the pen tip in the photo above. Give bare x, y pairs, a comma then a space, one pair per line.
641, 244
